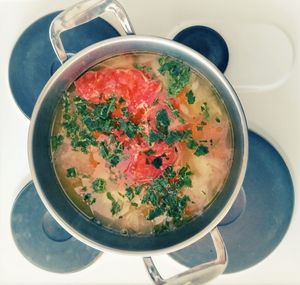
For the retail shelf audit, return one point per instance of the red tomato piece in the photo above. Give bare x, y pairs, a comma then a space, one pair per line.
139, 165
131, 84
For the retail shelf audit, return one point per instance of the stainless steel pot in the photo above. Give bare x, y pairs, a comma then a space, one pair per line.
42, 169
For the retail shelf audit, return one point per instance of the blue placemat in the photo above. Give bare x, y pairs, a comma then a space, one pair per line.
206, 41
264, 221
42, 241
33, 60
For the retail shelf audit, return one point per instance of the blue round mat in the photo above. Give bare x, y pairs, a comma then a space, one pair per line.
264, 221
33, 60
42, 241
206, 41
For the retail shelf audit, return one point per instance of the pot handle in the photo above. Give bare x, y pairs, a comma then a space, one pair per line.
82, 13
199, 274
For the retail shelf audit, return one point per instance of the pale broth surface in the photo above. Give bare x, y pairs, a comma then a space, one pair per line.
142, 143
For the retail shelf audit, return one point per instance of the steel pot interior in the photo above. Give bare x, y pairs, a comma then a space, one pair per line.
59, 205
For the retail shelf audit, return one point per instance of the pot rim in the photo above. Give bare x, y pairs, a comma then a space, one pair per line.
172, 45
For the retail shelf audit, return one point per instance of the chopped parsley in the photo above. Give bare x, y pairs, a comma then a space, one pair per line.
122, 100
154, 137
56, 141
129, 128
89, 199
104, 110
99, 185
104, 151
80, 105
201, 150
204, 110
129, 193
165, 197
149, 151
218, 120
71, 172
191, 144
125, 112
178, 74
154, 213
184, 176
138, 189
66, 102
169, 172
142, 67
190, 97
174, 136
115, 207
162, 121
111, 156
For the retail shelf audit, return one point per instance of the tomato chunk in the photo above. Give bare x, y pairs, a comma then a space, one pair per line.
130, 84
140, 165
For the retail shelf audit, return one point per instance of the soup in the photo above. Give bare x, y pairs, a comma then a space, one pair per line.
141, 143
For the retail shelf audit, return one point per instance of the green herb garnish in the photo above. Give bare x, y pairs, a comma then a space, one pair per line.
162, 121
190, 97
218, 120
116, 207
122, 100
149, 152
80, 105
138, 189
129, 128
99, 185
112, 156
154, 137
104, 150
104, 110
66, 102
191, 144
201, 150
204, 110
154, 213
56, 141
174, 136
125, 112
164, 194
71, 172
89, 199
169, 172
142, 67
184, 176
129, 193
178, 74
